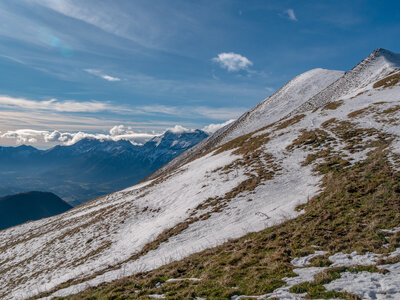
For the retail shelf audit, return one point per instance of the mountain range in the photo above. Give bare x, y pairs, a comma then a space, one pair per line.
90, 167
297, 199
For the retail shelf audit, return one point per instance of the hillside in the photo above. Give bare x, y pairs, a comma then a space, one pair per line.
89, 168
257, 209
272, 109
29, 206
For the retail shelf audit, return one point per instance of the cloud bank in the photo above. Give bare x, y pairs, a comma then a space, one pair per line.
116, 133
23, 136
232, 61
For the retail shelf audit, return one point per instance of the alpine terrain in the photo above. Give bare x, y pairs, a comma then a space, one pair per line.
91, 167
298, 198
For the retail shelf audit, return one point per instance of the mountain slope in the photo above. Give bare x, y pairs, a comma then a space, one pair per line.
91, 167
305, 92
272, 109
325, 178
20, 208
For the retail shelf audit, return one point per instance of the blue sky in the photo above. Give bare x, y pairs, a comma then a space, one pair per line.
90, 65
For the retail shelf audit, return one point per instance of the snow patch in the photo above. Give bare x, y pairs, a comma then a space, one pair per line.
391, 231
305, 260
345, 260
370, 285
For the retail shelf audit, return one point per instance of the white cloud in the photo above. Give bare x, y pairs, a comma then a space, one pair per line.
119, 130
232, 61
24, 135
58, 106
100, 74
68, 138
179, 129
290, 14
53, 136
117, 133
215, 127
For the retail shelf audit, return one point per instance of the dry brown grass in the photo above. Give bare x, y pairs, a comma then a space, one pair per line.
358, 113
333, 105
392, 110
286, 123
388, 81
310, 138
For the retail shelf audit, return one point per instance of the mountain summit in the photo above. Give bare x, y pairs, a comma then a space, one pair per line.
297, 198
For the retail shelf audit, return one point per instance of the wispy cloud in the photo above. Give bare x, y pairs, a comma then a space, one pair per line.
232, 61
138, 22
160, 109
216, 113
290, 14
100, 74
73, 115
220, 113
42, 120
270, 89
58, 106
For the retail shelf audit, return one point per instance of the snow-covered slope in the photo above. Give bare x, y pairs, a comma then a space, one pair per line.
277, 106
290, 96
254, 181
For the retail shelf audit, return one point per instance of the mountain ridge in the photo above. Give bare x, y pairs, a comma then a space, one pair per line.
354, 79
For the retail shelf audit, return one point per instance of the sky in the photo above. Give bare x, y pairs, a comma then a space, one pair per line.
133, 68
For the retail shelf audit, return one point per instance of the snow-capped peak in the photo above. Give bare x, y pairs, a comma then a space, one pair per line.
389, 56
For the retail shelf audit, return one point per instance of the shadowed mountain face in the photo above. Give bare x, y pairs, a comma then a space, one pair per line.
30, 206
90, 167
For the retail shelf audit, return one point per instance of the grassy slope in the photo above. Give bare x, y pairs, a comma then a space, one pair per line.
356, 202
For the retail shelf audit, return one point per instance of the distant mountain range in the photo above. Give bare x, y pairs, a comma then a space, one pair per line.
90, 167
30, 206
